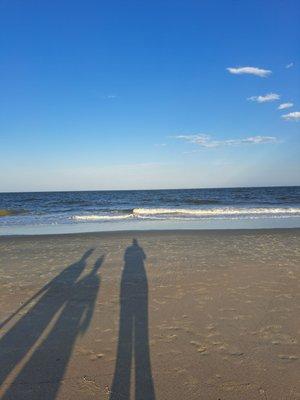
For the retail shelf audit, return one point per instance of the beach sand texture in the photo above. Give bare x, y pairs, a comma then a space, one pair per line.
171, 316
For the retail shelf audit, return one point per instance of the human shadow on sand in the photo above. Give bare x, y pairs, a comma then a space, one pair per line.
133, 330
43, 339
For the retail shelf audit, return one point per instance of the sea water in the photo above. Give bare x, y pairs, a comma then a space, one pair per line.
88, 211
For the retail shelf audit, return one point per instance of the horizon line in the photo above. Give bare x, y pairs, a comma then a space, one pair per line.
140, 190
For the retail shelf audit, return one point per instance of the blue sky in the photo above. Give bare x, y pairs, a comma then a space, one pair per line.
129, 95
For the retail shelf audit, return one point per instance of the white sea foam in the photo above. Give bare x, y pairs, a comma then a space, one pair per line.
217, 211
185, 213
101, 217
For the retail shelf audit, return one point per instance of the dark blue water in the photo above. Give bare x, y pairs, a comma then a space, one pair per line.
50, 208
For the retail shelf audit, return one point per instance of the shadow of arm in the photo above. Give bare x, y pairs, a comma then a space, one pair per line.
91, 283
6, 321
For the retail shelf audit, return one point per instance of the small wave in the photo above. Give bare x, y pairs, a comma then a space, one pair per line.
30, 199
69, 202
215, 211
289, 199
202, 201
175, 213
124, 211
101, 217
9, 212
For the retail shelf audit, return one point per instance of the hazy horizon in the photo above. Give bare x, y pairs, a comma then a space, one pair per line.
154, 189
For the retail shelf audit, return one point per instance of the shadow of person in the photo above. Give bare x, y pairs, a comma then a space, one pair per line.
133, 330
68, 304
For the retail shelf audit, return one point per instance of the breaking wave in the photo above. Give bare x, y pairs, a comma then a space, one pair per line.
101, 217
172, 213
217, 211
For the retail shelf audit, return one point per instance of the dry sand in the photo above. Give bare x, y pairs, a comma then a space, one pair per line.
223, 317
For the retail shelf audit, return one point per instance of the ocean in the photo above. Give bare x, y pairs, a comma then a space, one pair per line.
54, 212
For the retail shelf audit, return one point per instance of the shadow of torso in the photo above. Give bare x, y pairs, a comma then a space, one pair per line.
133, 330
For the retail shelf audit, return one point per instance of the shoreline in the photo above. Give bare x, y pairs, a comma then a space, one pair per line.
154, 225
117, 233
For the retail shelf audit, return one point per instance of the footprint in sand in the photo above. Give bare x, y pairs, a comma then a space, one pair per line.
88, 384
200, 348
95, 357
287, 357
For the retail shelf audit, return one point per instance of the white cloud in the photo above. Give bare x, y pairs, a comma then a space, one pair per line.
249, 70
204, 140
109, 96
266, 98
292, 116
290, 65
283, 106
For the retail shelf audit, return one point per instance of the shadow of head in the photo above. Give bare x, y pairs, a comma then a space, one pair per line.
87, 254
134, 252
97, 265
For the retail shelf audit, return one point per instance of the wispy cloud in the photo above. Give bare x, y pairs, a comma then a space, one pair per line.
250, 71
109, 96
292, 116
266, 98
283, 106
290, 65
206, 141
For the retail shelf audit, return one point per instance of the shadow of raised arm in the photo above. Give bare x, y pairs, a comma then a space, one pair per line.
91, 283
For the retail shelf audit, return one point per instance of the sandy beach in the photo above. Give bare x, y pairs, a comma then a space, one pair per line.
169, 315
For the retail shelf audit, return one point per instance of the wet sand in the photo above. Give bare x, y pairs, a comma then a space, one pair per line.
176, 315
